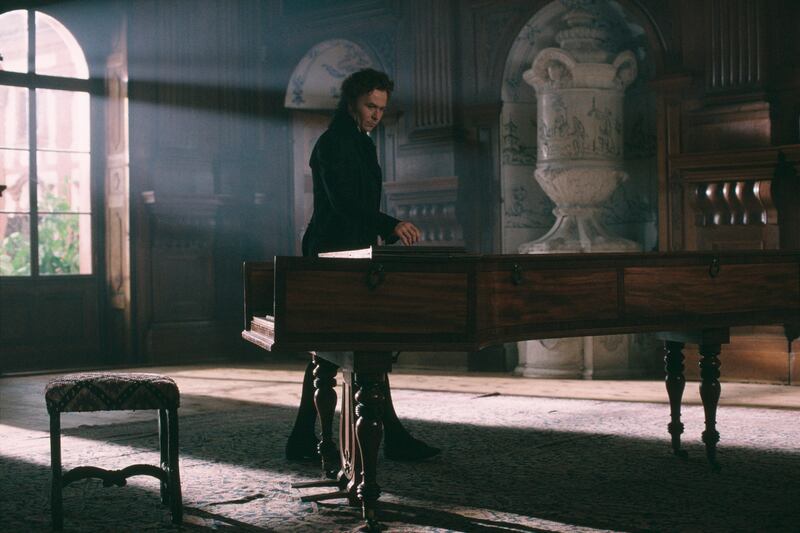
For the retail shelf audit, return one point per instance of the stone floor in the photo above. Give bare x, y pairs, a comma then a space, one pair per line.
597, 457
21, 397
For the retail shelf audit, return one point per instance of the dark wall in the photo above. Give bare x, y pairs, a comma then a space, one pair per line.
208, 170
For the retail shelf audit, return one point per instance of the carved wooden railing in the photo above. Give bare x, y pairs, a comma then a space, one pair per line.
742, 199
733, 202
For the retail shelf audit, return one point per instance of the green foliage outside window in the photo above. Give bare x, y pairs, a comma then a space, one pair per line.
58, 244
58, 241
15, 254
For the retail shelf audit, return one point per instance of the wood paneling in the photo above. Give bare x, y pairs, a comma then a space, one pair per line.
755, 354
548, 296
735, 56
660, 291
53, 324
209, 169
394, 306
433, 105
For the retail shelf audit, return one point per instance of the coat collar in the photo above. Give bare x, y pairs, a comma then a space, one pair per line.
343, 123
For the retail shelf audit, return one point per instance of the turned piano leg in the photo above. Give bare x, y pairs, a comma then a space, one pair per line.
325, 401
709, 393
676, 383
369, 397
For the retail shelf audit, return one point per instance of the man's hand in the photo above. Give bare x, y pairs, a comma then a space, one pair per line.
408, 233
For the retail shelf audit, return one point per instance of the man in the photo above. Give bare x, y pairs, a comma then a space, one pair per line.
347, 195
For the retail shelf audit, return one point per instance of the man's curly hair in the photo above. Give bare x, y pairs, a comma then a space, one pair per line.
362, 82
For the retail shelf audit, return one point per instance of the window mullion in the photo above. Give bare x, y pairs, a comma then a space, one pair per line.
32, 144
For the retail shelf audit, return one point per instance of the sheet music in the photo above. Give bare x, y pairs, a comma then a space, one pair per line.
397, 250
363, 253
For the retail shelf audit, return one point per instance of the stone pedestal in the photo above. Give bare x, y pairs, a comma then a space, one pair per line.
601, 357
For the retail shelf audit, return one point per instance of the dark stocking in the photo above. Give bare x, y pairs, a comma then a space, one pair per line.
302, 443
399, 444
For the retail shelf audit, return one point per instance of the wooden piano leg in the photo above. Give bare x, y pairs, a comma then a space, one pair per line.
676, 383
709, 393
709, 342
325, 401
369, 397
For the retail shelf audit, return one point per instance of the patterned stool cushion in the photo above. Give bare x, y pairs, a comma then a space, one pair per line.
104, 391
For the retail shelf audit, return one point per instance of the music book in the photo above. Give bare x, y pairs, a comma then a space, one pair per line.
264, 325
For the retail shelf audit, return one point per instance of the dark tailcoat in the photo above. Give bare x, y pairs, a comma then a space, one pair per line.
347, 191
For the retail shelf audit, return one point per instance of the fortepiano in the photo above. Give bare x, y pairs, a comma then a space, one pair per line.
352, 313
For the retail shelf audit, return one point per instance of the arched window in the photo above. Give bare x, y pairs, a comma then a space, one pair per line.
45, 212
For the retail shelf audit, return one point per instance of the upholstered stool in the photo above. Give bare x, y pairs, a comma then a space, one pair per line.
102, 391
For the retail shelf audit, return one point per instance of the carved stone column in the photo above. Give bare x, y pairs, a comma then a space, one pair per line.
580, 90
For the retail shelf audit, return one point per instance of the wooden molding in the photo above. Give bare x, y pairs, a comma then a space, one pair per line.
735, 62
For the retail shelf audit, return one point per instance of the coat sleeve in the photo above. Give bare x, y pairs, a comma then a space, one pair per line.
337, 170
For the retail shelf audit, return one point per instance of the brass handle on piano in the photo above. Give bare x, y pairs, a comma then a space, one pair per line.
713, 268
516, 274
375, 275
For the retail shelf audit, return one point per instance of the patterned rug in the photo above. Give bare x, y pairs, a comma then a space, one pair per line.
516, 464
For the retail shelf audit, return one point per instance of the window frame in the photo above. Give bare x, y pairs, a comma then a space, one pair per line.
32, 81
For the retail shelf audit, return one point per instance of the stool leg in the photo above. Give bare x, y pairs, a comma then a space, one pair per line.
175, 497
56, 509
163, 446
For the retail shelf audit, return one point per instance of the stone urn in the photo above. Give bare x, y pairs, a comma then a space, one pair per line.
580, 92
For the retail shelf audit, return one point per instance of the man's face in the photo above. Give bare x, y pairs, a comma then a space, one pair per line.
368, 109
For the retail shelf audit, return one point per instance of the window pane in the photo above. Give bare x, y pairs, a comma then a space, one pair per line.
57, 51
13, 117
14, 174
63, 184
14, 41
62, 120
65, 244
15, 245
